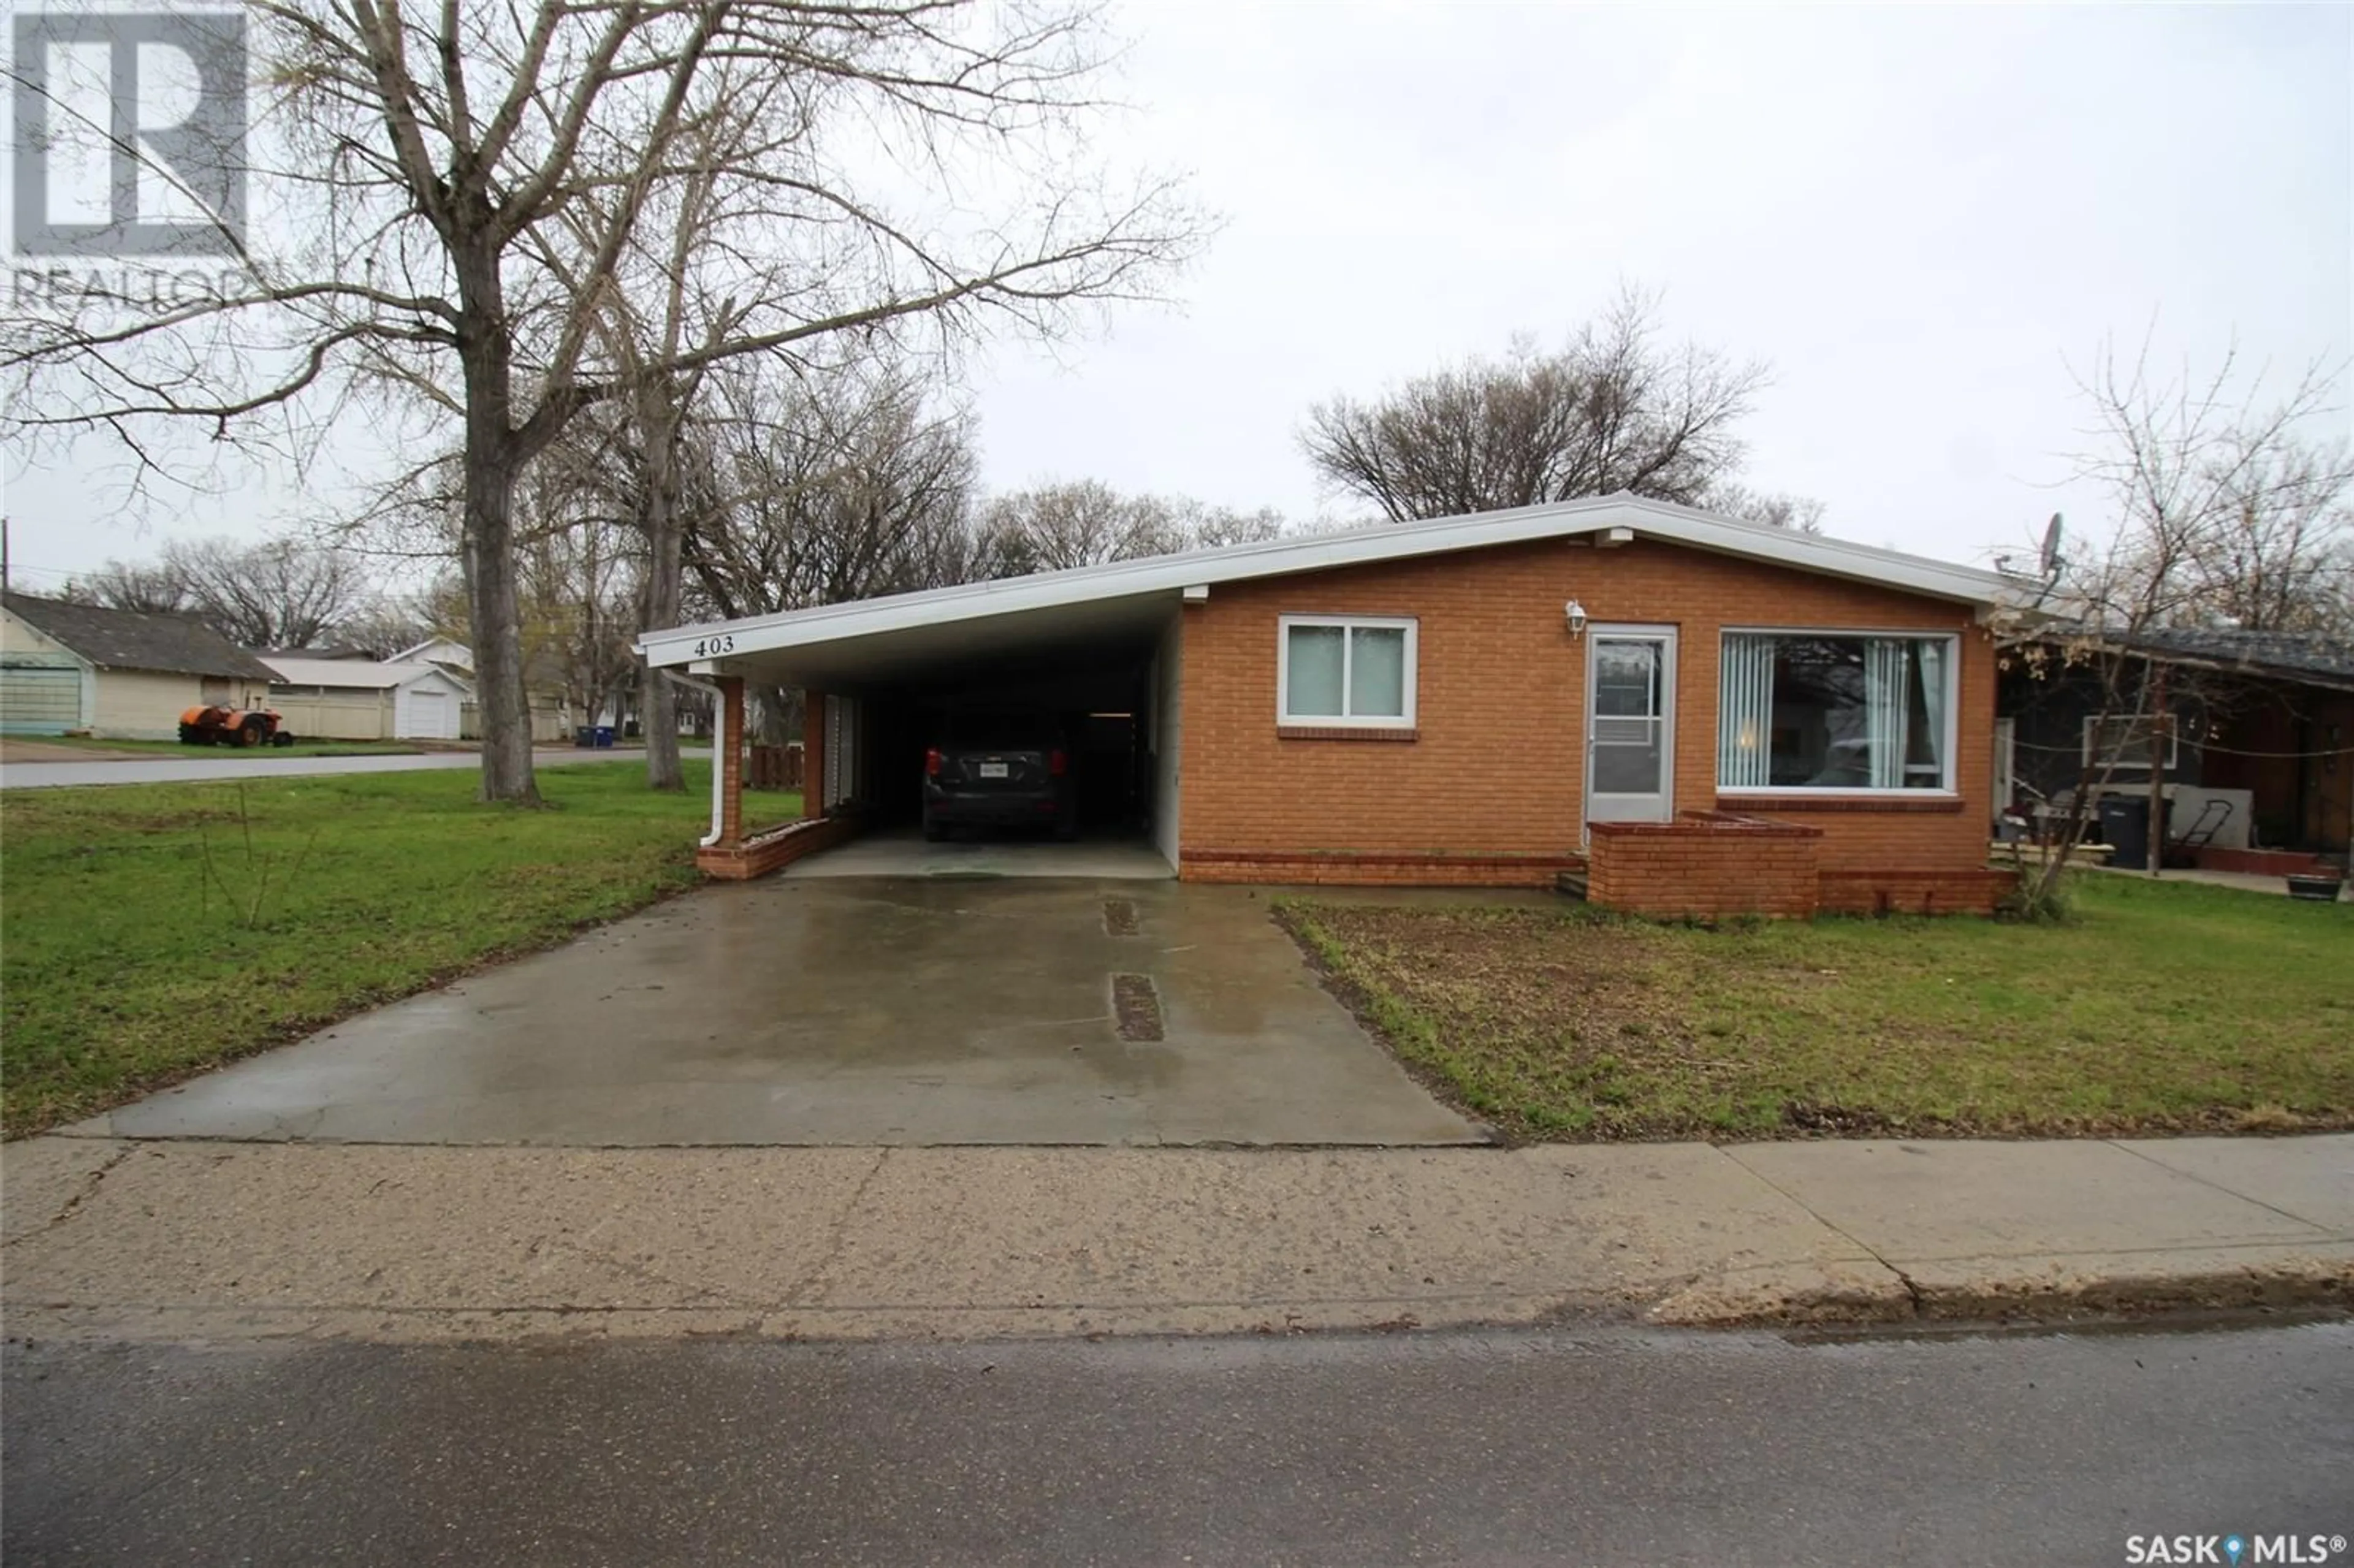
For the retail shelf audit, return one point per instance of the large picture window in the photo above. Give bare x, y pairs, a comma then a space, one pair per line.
1803, 710
1346, 670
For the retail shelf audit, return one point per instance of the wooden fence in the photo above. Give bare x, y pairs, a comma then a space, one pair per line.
773, 768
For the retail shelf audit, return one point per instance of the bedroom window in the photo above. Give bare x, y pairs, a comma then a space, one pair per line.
1345, 670
1807, 710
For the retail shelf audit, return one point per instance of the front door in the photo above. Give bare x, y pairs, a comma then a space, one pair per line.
1631, 686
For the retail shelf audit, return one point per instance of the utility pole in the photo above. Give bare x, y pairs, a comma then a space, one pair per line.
4, 553
2161, 723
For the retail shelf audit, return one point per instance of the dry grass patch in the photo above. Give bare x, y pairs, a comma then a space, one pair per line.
2160, 1008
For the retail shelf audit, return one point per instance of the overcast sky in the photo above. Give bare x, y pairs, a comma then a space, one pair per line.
1921, 216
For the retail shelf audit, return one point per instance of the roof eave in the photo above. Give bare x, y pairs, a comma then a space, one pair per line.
1156, 575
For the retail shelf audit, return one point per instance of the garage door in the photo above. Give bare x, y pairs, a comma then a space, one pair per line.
430, 716
39, 702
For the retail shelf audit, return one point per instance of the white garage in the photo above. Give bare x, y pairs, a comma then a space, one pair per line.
358, 699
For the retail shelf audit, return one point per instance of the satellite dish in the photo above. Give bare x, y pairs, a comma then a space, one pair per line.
2048, 558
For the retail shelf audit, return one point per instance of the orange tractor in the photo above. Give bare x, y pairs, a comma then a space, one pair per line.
222, 726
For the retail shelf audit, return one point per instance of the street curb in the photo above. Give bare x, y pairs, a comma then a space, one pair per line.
2055, 1291
1840, 1297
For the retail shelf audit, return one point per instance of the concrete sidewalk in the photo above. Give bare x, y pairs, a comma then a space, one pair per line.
208, 1240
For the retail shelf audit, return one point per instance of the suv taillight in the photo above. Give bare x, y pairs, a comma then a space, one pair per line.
932, 763
1058, 763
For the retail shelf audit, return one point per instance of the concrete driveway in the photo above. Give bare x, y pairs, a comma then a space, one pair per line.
853, 1012
905, 852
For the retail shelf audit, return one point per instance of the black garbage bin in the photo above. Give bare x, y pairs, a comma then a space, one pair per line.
2125, 826
585, 735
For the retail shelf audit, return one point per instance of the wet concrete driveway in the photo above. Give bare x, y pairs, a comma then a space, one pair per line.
889, 1011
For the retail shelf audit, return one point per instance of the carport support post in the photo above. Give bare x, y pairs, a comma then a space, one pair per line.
813, 753
730, 761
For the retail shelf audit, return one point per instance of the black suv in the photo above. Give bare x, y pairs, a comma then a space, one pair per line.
999, 770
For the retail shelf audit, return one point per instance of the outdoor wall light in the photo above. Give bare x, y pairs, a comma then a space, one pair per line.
1577, 614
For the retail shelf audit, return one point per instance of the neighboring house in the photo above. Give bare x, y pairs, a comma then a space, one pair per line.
116, 673
551, 715
437, 650
337, 651
1700, 716
358, 699
2259, 743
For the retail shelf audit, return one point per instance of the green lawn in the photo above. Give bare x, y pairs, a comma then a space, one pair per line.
150, 931
2165, 1007
174, 748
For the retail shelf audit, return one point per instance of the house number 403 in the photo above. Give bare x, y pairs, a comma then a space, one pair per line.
712, 647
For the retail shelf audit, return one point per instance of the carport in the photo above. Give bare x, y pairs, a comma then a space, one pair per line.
878, 678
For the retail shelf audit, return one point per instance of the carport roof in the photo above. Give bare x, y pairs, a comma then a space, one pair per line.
1129, 595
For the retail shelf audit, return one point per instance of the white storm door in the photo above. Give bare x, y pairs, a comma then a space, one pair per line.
1631, 686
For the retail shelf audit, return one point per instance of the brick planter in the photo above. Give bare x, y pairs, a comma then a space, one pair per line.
1705, 865
764, 853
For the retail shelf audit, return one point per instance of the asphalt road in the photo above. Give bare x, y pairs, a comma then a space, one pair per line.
201, 769
1601, 1448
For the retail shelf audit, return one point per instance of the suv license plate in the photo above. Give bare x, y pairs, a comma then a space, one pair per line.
992, 771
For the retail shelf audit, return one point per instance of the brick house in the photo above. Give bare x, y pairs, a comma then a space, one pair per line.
1695, 715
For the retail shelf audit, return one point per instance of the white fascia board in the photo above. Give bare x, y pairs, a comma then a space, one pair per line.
1172, 575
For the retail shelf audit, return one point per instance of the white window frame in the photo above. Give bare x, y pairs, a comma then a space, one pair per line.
1947, 788
1290, 720
2126, 764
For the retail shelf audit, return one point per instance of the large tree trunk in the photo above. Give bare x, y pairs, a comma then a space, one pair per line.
493, 462
658, 699
501, 700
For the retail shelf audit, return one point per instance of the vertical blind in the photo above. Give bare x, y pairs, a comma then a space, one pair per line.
1746, 717
1799, 710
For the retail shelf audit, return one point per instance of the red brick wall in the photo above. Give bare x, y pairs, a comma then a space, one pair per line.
1378, 867
1706, 864
1961, 892
1496, 767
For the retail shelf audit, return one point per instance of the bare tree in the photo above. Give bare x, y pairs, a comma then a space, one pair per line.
817, 488
2278, 554
1078, 523
580, 596
1613, 410
2219, 510
472, 179
1085, 522
1775, 509
280, 594
154, 587
388, 623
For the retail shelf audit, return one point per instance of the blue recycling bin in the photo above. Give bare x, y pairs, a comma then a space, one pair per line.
604, 734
